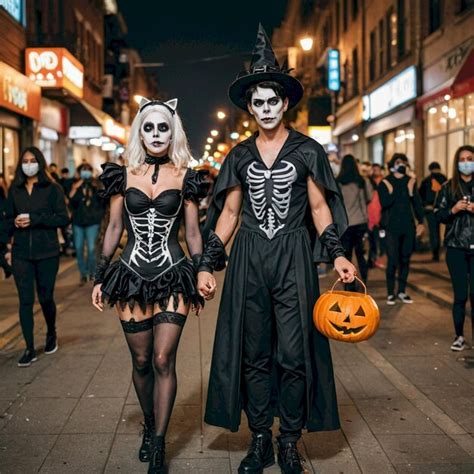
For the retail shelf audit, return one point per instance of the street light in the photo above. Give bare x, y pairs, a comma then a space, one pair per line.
306, 43
214, 133
221, 115
207, 147
234, 135
245, 123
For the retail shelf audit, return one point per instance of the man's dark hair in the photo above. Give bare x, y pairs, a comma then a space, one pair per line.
275, 86
53, 164
395, 157
64, 170
434, 166
376, 164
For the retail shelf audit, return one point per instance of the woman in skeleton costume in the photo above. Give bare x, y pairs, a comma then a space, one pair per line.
153, 284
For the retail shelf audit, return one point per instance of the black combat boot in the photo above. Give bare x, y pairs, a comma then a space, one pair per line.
157, 461
144, 454
289, 459
259, 456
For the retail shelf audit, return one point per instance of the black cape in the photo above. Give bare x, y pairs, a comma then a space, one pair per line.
225, 400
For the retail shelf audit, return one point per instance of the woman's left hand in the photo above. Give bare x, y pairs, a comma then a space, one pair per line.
206, 285
346, 270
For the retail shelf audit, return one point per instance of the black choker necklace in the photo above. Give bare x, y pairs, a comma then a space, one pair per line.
157, 161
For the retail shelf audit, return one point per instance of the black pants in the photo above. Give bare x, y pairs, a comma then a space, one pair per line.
461, 269
433, 227
376, 244
42, 272
399, 247
273, 341
353, 240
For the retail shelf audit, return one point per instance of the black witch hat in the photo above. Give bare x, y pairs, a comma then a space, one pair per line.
264, 67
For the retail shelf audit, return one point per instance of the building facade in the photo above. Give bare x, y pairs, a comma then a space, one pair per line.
403, 77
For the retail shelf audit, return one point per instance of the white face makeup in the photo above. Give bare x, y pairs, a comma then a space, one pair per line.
156, 133
267, 108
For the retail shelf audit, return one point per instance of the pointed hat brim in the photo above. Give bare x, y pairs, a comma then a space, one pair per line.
238, 89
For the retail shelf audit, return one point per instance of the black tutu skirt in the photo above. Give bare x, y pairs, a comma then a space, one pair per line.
124, 287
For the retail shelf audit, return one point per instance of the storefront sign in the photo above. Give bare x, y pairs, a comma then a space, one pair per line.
334, 75
18, 93
390, 95
114, 130
14, 8
84, 132
54, 116
321, 134
55, 68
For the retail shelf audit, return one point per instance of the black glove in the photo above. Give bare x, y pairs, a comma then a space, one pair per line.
214, 256
331, 241
100, 268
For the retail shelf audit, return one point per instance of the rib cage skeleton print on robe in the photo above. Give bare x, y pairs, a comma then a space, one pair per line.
270, 194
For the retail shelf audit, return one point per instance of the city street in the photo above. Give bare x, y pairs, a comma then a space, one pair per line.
405, 399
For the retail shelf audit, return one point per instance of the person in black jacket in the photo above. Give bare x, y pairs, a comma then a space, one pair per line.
454, 206
429, 187
34, 210
87, 212
400, 200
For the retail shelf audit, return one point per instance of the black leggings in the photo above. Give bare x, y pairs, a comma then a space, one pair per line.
353, 240
153, 344
42, 272
399, 249
461, 268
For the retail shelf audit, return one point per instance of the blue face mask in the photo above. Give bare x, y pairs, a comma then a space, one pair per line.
466, 167
86, 174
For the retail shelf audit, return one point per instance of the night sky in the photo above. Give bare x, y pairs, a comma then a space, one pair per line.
176, 32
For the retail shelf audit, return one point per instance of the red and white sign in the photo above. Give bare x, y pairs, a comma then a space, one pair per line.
55, 68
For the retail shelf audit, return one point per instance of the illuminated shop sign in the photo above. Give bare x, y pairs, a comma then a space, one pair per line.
393, 93
334, 75
55, 68
14, 8
18, 93
114, 130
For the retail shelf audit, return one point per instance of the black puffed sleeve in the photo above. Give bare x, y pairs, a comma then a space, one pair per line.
113, 180
196, 186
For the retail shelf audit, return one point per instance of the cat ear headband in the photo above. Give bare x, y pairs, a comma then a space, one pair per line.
171, 105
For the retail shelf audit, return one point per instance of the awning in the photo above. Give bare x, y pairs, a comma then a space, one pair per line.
459, 85
84, 114
391, 121
349, 119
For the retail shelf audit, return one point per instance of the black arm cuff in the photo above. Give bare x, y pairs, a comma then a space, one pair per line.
198, 266
331, 241
213, 258
100, 268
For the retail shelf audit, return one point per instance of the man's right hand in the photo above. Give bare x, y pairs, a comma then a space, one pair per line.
461, 205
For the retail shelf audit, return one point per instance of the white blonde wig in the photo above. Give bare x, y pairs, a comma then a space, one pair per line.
178, 151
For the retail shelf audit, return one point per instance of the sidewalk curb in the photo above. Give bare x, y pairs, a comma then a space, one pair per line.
8, 324
433, 295
429, 272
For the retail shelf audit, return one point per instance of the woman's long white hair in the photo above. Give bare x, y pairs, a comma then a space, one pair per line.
178, 151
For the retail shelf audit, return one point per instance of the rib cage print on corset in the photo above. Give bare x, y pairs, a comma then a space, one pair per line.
151, 234
271, 214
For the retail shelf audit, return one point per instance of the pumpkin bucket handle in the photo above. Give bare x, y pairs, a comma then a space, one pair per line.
357, 278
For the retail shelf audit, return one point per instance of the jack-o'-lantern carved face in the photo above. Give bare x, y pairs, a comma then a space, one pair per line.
346, 316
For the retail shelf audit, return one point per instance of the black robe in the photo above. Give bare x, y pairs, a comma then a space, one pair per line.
299, 158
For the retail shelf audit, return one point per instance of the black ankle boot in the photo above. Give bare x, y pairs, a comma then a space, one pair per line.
144, 454
259, 456
289, 459
157, 461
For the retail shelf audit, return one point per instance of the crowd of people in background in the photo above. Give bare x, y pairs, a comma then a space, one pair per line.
46, 212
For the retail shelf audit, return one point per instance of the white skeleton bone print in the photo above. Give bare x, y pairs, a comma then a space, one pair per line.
271, 214
151, 238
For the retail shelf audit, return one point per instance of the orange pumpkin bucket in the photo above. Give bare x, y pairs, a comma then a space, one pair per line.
346, 315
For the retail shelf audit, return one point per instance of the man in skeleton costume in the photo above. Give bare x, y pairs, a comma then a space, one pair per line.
153, 284
267, 353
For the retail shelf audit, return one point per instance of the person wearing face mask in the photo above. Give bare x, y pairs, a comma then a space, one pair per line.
153, 285
87, 210
429, 187
400, 204
292, 213
34, 210
454, 206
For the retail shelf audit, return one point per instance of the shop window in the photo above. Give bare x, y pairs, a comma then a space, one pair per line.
392, 41
355, 72
345, 14
436, 151
11, 152
465, 5
456, 114
389, 146
455, 140
470, 110
381, 47
376, 150
437, 119
373, 53
355, 8
400, 29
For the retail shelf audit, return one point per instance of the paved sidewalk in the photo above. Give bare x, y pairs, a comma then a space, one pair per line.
405, 399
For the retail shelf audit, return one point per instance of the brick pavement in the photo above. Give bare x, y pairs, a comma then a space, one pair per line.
405, 400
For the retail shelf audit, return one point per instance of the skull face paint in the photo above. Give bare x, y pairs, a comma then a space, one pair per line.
155, 133
267, 108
